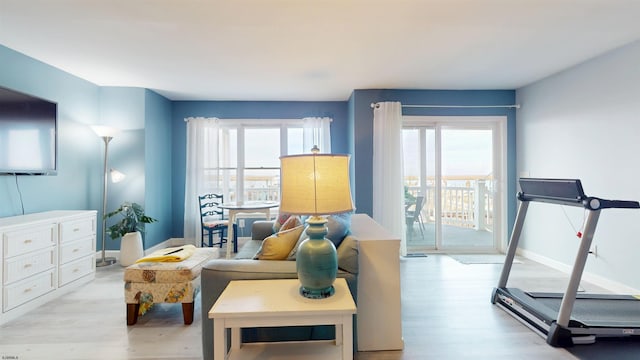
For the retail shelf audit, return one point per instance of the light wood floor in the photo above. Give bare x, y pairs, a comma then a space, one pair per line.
446, 310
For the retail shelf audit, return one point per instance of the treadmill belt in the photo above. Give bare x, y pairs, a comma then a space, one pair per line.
600, 311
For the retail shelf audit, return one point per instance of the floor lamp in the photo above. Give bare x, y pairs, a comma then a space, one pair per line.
106, 133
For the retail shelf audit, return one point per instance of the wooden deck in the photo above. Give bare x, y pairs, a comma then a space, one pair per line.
454, 238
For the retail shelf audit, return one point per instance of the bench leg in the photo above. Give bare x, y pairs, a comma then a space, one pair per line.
132, 313
187, 313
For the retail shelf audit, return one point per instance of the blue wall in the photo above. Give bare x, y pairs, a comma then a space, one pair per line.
361, 100
158, 172
141, 152
151, 149
123, 108
337, 110
351, 130
78, 182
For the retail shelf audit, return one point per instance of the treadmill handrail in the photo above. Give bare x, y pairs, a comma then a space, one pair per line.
619, 204
587, 202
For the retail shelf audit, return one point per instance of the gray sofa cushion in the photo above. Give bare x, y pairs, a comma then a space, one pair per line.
260, 229
348, 255
249, 249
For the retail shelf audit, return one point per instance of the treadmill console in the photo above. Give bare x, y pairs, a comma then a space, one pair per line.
566, 192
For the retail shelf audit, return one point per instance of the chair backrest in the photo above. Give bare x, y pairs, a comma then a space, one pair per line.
209, 206
418, 207
419, 203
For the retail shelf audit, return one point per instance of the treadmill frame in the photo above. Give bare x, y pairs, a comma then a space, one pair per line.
561, 331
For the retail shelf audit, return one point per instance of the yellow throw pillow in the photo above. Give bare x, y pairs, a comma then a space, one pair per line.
279, 245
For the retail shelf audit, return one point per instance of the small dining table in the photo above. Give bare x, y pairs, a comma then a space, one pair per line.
249, 207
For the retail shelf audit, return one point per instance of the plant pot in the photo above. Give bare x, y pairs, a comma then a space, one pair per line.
131, 248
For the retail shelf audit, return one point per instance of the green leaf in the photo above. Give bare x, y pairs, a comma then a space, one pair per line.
133, 219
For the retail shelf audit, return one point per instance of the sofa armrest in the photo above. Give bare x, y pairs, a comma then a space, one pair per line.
261, 229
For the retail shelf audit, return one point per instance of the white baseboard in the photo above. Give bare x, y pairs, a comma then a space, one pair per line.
108, 253
610, 285
165, 244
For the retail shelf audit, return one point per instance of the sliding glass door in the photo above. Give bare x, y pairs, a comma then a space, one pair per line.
452, 166
419, 166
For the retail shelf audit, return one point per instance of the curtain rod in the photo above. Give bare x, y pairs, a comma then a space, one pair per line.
517, 106
187, 119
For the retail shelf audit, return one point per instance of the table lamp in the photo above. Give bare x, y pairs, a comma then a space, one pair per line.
315, 184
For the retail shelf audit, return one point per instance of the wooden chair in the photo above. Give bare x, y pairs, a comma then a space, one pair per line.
213, 222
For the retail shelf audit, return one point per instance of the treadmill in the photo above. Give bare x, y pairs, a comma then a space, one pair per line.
567, 319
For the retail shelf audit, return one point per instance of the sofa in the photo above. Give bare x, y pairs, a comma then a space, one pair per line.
379, 311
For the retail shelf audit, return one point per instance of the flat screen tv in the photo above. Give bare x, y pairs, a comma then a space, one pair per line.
28, 134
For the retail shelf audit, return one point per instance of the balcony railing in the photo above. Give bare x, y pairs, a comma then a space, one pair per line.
263, 194
467, 203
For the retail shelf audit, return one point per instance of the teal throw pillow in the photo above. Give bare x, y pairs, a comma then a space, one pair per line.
338, 226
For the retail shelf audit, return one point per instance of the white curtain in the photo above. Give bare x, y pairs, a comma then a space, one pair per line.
388, 203
202, 151
316, 131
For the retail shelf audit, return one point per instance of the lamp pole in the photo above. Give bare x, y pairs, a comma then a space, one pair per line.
105, 261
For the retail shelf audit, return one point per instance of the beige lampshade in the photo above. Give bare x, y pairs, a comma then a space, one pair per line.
315, 184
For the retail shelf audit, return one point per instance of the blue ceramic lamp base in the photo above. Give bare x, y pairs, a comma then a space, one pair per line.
317, 294
317, 261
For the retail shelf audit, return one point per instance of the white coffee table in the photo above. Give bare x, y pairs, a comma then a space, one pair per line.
261, 303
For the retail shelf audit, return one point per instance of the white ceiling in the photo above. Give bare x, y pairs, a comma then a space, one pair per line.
314, 50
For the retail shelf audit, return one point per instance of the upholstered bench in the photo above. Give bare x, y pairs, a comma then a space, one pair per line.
147, 283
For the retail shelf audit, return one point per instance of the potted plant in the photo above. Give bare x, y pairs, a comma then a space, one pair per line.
129, 228
408, 197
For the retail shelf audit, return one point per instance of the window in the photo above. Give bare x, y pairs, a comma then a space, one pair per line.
243, 157
237, 156
261, 170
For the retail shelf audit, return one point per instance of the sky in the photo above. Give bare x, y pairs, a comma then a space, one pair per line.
464, 152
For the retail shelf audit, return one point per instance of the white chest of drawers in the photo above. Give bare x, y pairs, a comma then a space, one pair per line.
44, 255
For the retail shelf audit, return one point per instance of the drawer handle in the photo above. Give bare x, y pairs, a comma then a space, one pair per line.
76, 229
76, 250
28, 290
26, 266
28, 241
76, 270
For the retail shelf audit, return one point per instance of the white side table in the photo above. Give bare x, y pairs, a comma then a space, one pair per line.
261, 303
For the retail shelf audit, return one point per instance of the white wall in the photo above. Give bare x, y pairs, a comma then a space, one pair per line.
585, 123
